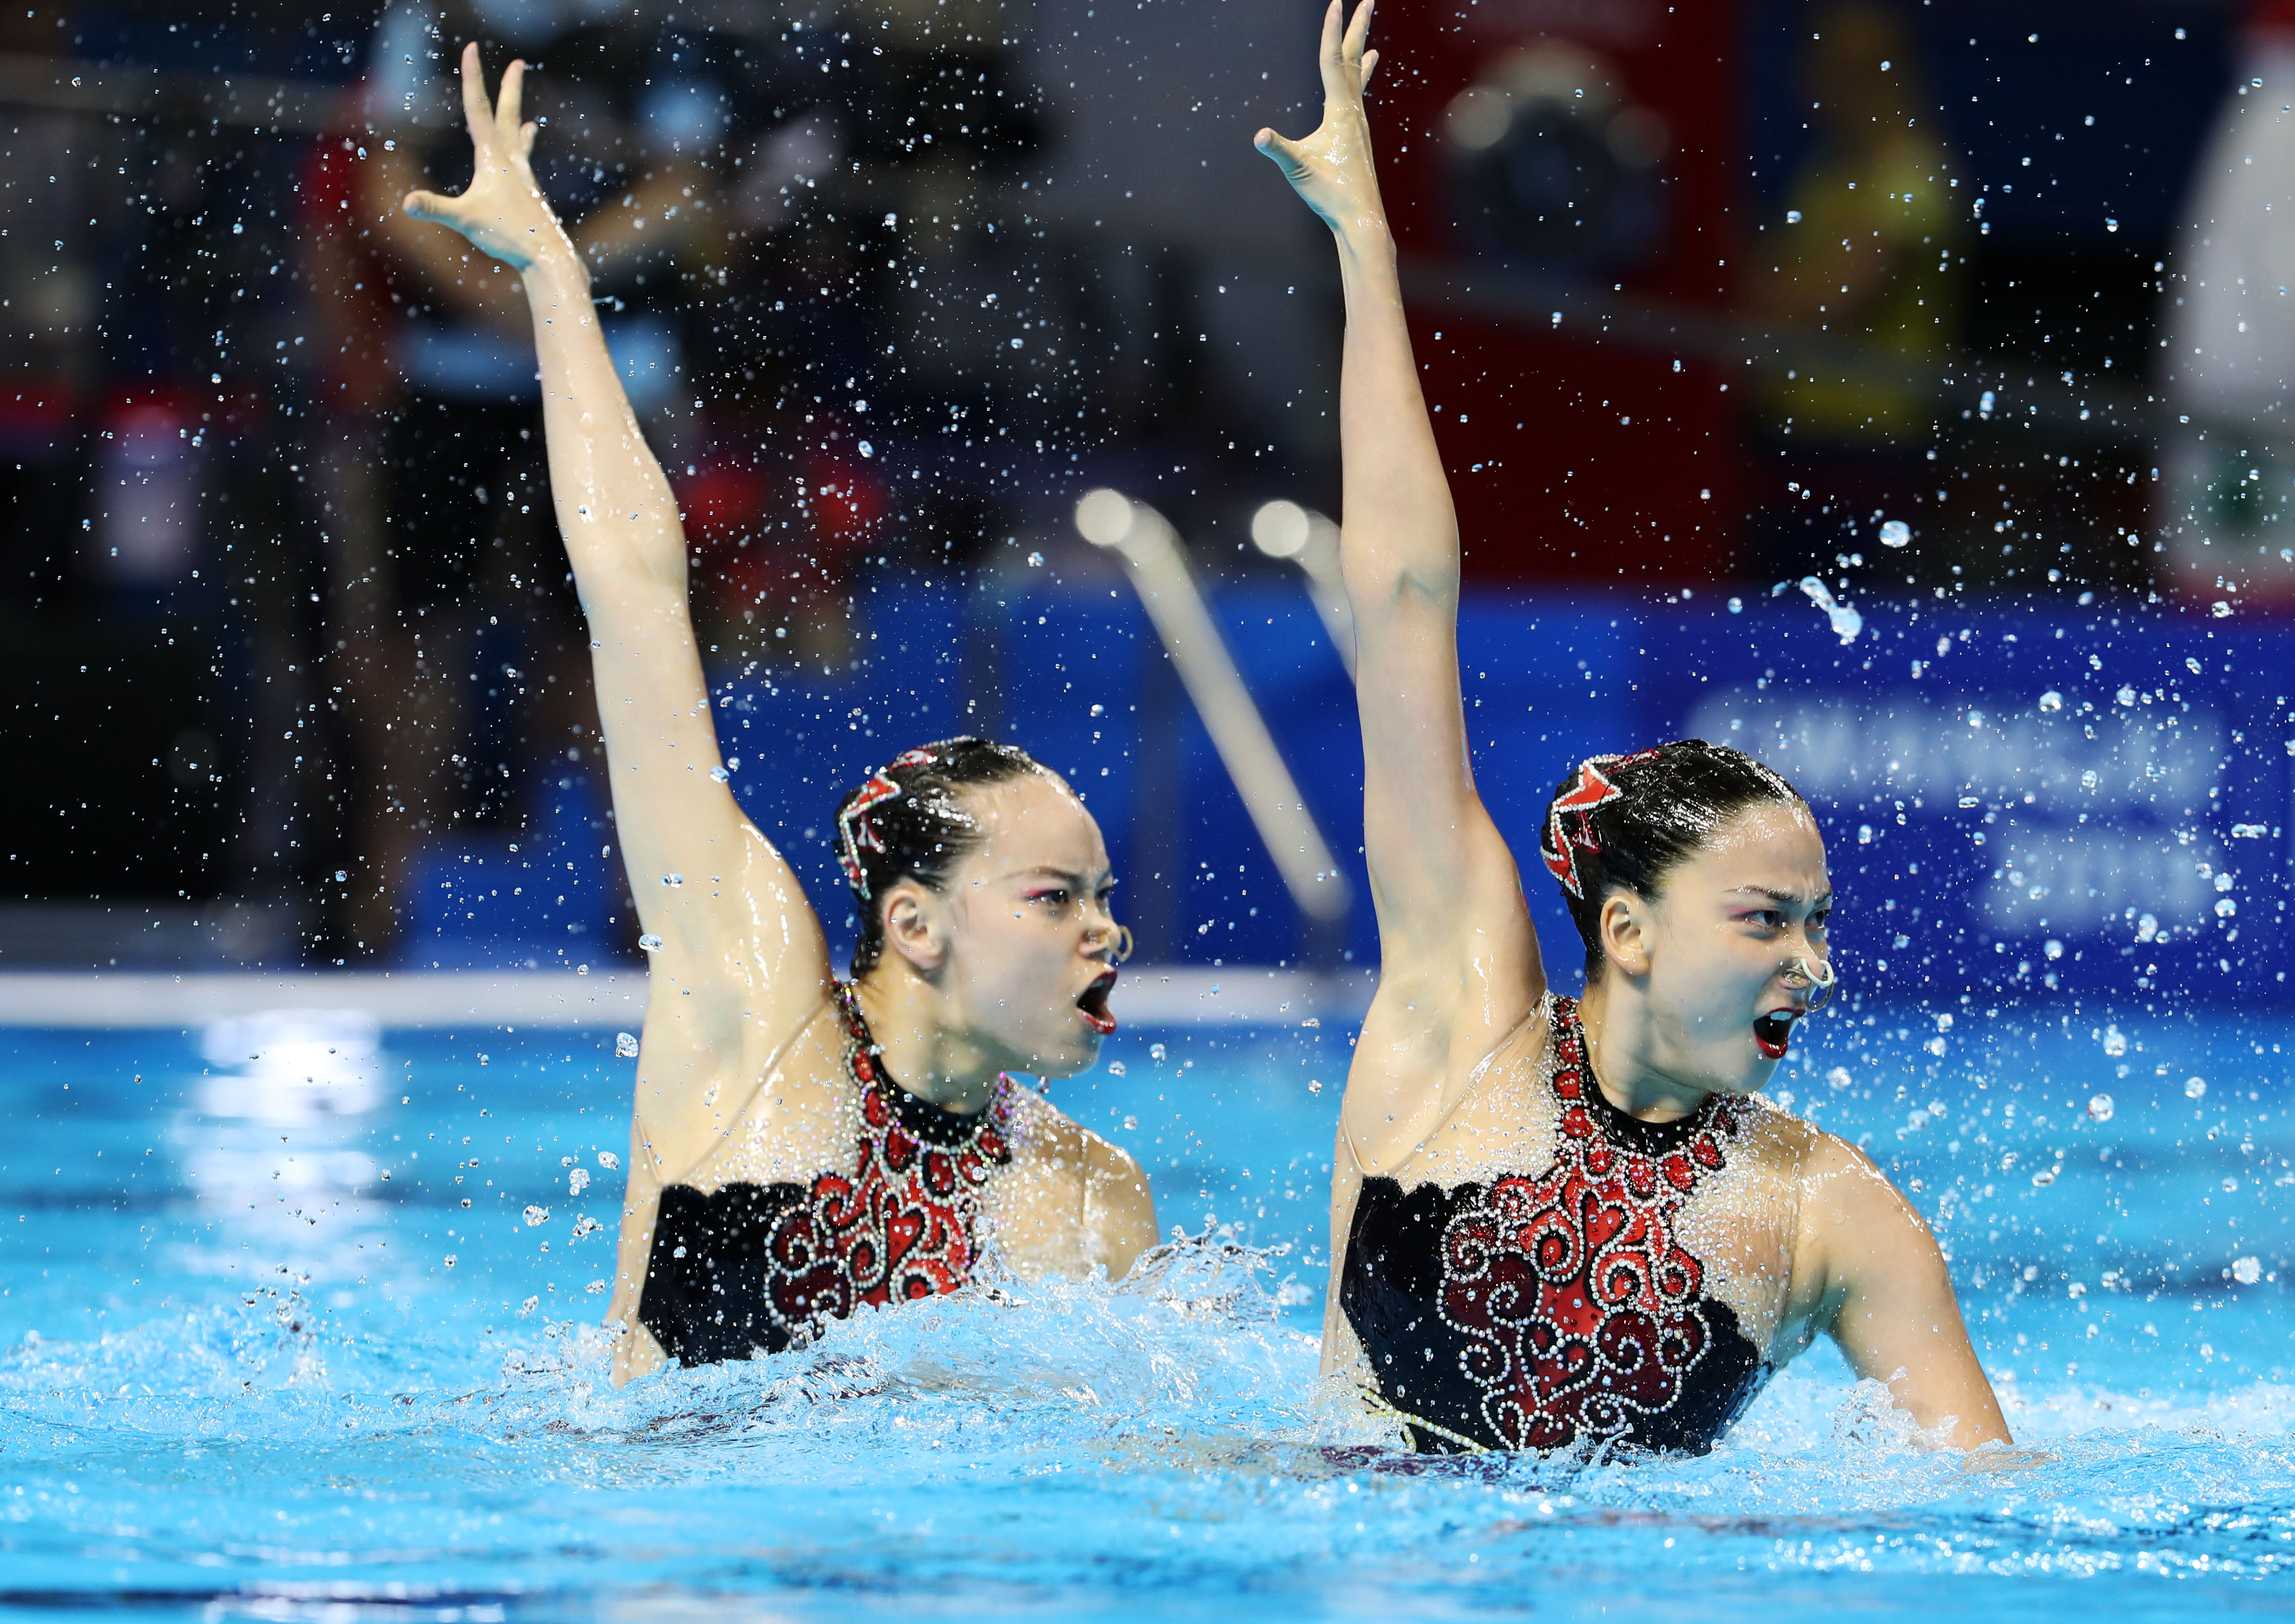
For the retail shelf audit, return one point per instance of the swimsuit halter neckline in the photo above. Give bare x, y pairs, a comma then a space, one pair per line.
934, 1124
1620, 1126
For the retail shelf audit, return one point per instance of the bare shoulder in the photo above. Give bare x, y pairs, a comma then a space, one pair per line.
1108, 1194
1846, 1184
1856, 1226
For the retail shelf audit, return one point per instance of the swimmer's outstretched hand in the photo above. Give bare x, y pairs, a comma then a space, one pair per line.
503, 212
1332, 168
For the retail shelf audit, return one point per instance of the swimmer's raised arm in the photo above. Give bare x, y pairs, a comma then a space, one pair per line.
1878, 1284
1457, 953
731, 916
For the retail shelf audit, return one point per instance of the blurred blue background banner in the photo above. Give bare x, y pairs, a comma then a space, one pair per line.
2014, 801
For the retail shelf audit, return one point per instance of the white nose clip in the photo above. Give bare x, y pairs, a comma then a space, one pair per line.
1813, 976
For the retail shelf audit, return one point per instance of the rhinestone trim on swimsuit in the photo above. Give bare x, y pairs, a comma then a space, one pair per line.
1581, 1308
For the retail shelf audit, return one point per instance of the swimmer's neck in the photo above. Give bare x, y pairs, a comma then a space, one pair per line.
1622, 1049
922, 1046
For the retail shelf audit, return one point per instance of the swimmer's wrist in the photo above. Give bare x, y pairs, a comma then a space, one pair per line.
1365, 232
556, 271
1366, 243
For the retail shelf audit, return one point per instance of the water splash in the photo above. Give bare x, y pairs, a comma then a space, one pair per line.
1844, 619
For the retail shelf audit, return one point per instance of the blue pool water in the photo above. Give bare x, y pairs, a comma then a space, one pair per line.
241, 1373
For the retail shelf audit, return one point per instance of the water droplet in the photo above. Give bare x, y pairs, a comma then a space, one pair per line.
626, 1045
2115, 1041
2045, 1177
1895, 533
1314, 1085
607, 1160
2052, 700
1130, 1123
577, 1181
1035, 560
1156, 1051
1838, 1077
672, 880
2246, 1272
866, 449
1017, 343
1115, 1068
1984, 405
2099, 1107
2125, 695
719, 774
1736, 606
1792, 216
2220, 610
340, 876
651, 942
1845, 621
2196, 1088
535, 1216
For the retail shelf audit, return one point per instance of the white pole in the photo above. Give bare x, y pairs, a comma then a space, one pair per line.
1150, 548
1286, 530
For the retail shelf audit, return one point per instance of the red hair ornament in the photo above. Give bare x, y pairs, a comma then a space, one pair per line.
853, 829
1558, 845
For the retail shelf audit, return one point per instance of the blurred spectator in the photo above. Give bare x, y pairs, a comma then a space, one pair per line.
1867, 251
2230, 469
48, 348
469, 656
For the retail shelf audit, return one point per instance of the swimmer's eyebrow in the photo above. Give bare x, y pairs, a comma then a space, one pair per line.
1047, 871
1787, 897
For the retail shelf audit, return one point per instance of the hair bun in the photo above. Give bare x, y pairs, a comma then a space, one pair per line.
907, 821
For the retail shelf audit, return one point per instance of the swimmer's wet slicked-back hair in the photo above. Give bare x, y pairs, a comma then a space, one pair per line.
909, 821
1623, 822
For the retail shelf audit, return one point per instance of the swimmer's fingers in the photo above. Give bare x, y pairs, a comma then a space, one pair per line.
1332, 49
477, 107
1370, 63
462, 213
1287, 155
428, 206
1358, 32
507, 117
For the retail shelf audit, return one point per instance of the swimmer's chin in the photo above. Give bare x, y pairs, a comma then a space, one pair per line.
1078, 1055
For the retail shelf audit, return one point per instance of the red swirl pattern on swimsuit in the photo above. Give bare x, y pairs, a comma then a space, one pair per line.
1581, 1307
902, 1225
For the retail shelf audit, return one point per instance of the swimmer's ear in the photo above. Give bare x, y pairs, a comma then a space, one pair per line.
916, 926
1625, 932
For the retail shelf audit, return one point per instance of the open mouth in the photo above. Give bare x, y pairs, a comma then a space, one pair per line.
1093, 1002
1773, 1031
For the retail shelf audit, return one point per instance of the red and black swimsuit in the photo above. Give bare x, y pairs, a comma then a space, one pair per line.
1537, 1313
755, 1266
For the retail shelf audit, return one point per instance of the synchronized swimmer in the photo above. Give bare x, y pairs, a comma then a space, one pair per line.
802, 1146
1562, 1222
1557, 1224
